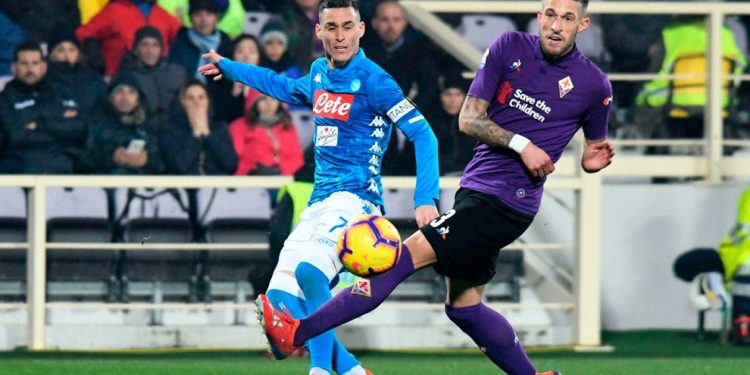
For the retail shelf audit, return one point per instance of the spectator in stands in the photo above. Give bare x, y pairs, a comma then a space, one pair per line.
456, 148
115, 26
265, 140
123, 138
158, 79
628, 38
231, 14
41, 17
300, 18
13, 35
198, 39
81, 89
193, 143
275, 56
685, 36
247, 50
35, 122
69, 74
402, 54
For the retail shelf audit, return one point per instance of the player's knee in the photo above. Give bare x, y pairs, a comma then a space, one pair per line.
309, 276
459, 315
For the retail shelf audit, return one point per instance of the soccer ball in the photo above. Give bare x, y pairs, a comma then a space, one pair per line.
369, 246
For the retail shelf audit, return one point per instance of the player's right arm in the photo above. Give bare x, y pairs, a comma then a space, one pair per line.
287, 90
473, 121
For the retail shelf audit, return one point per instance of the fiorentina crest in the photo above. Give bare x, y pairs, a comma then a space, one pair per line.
565, 85
362, 287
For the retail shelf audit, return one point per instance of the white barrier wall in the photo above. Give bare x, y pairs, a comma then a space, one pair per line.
645, 229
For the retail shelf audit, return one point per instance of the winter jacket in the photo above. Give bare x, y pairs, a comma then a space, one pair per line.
78, 83
260, 148
108, 133
41, 150
230, 22
160, 86
185, 154
115, 28
13, 35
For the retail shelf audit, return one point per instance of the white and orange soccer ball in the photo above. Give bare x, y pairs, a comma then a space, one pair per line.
369, 246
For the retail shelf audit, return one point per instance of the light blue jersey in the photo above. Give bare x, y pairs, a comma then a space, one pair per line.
354, 108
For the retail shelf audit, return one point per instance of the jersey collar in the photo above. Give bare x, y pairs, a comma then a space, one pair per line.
356, 60
563, 61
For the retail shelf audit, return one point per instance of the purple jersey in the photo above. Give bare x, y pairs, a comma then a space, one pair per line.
546, 101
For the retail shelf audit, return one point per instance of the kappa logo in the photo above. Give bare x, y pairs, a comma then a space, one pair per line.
565, 85
377, 121
373, 186
318, 79
362, 288
377, 133
376, 148
331, 105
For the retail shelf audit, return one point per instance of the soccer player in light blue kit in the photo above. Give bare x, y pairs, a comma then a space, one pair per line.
355, 103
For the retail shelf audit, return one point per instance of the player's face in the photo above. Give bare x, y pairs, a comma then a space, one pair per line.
560, 22
29, 67
339, 30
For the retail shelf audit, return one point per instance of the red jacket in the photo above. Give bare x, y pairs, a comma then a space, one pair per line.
115, 27
274, 146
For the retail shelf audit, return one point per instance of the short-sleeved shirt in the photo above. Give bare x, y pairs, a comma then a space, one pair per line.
544, 100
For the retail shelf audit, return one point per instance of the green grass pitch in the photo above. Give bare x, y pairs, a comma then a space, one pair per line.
642, 352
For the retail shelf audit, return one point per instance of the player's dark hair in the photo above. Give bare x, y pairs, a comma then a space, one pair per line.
331, 4
27, 46
584, 4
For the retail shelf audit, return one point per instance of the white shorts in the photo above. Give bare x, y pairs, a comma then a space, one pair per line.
315, 237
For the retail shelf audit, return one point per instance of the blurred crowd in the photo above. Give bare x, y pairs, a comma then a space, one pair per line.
110, 87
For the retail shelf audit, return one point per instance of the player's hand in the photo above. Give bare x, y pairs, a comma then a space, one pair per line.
212, 68
425, 213
597, 156
537, 161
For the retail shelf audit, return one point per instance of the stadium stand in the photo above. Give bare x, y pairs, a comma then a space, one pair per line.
80, 215
12, 230
235, 216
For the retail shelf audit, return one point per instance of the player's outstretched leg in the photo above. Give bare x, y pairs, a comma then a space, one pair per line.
285, 333
314, 285
494, 336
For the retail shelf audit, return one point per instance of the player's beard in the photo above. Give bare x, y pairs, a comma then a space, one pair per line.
564, 50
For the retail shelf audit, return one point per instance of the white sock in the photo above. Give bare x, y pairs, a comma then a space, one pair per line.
318, 371
356, 370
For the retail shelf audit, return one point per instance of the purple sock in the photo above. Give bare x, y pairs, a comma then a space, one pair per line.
355, 301
494, 336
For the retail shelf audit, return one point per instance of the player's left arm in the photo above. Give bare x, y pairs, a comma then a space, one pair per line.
402, 112
597, 155
598, 152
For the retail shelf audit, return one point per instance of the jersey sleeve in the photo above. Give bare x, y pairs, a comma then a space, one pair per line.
285, 89
491, 70
596, 117
390, 101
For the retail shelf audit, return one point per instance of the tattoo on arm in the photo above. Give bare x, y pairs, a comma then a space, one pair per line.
474, 122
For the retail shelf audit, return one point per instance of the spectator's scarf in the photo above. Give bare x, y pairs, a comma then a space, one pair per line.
204, 43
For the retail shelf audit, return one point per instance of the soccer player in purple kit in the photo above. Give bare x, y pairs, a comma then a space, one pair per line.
530, 96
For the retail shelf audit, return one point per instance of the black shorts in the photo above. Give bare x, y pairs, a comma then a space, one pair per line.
467, 239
